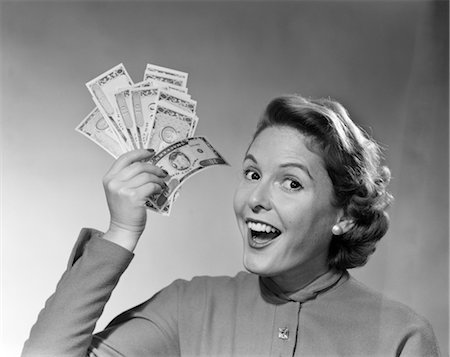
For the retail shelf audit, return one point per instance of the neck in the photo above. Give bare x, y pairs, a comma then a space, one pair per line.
293, 281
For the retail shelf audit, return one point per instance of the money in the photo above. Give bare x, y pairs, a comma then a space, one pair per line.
144, 108
95, 128
157, 113
158, 84
177, 100
103, 89
165, 211
165, 78
170, 125
166, 75
194, 126
123, 100
165, 71
181, 160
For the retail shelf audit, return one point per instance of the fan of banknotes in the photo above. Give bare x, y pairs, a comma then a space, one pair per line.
156, 113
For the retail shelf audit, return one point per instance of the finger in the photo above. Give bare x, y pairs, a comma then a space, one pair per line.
144, 178
138, 195
128, 158
139, 167
144, 191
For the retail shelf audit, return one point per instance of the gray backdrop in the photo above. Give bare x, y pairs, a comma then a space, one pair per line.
387, 62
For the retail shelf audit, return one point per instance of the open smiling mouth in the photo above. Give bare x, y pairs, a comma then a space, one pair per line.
261, 234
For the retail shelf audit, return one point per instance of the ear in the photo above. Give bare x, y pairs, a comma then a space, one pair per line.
346, 224
343, 224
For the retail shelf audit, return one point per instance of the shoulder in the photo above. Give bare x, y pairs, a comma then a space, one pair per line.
382, 323
204, 293
391, 315
214, 285
199, 291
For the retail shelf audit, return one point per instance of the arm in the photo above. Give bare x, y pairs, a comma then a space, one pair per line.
419, 341
65, 325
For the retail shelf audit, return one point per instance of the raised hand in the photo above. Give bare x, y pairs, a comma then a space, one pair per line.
128, 184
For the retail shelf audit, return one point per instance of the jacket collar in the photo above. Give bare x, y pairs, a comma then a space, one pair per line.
272, 293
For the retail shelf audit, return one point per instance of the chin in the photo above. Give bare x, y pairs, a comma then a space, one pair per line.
257, 264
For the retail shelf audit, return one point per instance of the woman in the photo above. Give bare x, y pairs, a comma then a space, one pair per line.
310, 205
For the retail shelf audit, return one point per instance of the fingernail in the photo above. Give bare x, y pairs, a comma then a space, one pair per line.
151, 151
165, 172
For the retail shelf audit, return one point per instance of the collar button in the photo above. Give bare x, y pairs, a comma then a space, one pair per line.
283, 333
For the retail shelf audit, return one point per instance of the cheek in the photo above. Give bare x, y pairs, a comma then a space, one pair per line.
291, 211
312, 230
239, 200
301, 219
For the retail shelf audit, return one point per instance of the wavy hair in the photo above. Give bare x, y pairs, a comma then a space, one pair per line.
352, 159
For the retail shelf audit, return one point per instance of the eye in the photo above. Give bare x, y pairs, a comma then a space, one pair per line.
251, 175
291, 185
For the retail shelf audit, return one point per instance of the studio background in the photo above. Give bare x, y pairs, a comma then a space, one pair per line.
387, 62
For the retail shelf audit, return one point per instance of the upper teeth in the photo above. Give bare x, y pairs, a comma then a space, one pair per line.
261, 227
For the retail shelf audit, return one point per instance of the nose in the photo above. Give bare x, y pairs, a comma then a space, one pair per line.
260, 198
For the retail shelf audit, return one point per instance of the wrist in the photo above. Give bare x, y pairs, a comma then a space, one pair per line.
122, 236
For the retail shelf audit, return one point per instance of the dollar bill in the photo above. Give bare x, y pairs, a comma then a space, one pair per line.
194, 126
181, 160
157, 113
124, 104
166, 75
163, 85
103, 89
166, 71
144, 108
177, 100
165, 211
95, 128
170, 125
165, 78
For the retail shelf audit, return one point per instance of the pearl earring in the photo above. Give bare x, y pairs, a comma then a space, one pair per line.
336, 230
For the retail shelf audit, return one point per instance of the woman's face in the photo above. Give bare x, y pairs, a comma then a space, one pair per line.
283, 207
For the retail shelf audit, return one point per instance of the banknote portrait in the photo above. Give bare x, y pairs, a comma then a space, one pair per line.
101, 124
169, 134
179, 160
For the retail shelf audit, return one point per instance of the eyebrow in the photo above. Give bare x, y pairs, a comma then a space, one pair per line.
286, 164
